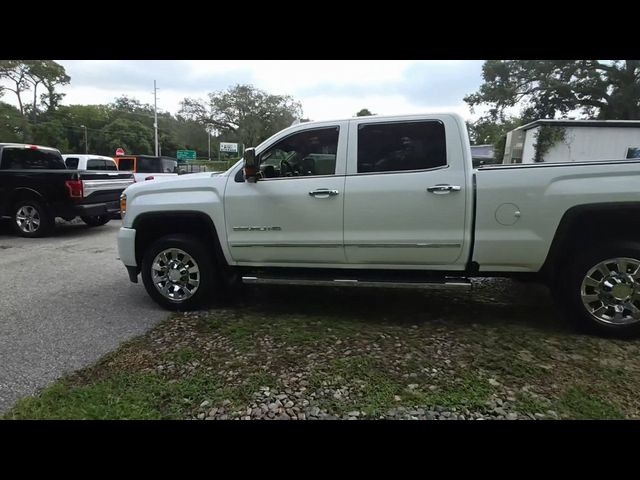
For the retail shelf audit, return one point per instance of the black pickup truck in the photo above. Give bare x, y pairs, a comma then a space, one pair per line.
36, 187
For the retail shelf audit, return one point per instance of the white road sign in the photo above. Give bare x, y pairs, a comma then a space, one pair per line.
228, 147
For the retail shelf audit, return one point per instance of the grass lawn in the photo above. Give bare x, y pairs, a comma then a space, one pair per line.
501, 352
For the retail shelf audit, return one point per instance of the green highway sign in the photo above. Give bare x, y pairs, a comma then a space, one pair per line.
186, 154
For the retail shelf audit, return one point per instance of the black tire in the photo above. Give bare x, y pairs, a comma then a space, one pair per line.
203, 258
96, 221
38, 212
569, 292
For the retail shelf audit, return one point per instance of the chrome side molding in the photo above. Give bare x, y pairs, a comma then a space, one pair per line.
446, 284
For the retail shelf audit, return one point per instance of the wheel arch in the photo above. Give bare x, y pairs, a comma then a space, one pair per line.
151, 226
583, 226
22, 193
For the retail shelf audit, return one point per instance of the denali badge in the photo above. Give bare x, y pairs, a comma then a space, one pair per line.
256, 229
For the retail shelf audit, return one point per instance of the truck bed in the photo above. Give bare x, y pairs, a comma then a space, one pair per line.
508, 241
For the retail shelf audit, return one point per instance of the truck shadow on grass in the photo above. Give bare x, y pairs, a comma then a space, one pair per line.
493, 302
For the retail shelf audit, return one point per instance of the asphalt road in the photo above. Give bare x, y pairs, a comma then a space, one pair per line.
66, 301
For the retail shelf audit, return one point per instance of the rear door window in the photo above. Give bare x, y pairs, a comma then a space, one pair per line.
401, 146
21, 158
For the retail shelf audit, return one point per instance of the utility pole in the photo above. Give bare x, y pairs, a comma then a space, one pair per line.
209, 138
155, 114
86, 144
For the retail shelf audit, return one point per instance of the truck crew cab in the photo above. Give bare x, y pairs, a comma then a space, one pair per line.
391, 202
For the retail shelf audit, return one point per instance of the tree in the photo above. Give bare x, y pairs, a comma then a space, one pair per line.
243, 113
168, 143
15, 71
486, 131
365, 112
547, 88
13, 126
94, 117
50, 74
24, 75
131, 135
51, 133
130, 105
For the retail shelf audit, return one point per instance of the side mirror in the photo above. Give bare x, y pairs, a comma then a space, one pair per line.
250, 165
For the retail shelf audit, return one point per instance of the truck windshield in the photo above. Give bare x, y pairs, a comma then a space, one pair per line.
28, 158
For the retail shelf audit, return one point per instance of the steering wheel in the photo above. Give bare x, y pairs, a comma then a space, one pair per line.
286, 170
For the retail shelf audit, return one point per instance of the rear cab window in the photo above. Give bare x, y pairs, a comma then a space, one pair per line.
95, 164
101, 164
72, 163
21, 158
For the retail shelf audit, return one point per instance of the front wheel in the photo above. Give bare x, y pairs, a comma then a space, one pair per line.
603, 290
178, 272
96, 221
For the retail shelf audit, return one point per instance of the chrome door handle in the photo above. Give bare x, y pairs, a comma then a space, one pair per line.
323, 193
440, 189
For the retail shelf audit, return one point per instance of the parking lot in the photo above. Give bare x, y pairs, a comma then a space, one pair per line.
66, 301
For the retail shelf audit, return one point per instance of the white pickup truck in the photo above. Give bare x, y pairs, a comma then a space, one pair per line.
391, 202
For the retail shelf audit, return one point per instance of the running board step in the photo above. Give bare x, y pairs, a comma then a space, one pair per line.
445, 284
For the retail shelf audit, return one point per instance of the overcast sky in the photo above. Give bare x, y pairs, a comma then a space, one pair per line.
326, 89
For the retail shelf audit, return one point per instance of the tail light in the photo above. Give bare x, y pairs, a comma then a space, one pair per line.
76, 189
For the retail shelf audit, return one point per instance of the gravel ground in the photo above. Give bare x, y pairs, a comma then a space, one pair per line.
501, 352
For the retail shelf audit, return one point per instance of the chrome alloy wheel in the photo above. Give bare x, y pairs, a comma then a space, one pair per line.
610, 291
175, 274
28, 219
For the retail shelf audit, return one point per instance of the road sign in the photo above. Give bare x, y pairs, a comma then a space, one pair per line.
119, 152
186, 154
228, 147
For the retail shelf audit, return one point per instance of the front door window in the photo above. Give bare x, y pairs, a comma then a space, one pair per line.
305, 154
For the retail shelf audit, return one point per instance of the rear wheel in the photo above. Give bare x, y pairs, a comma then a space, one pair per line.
97, 220
31, 219
602, 294
178, 272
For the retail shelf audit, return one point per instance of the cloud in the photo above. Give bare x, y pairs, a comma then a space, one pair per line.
140, 74
425, 84
326, 88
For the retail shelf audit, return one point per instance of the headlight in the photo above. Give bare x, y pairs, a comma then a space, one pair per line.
123, 204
